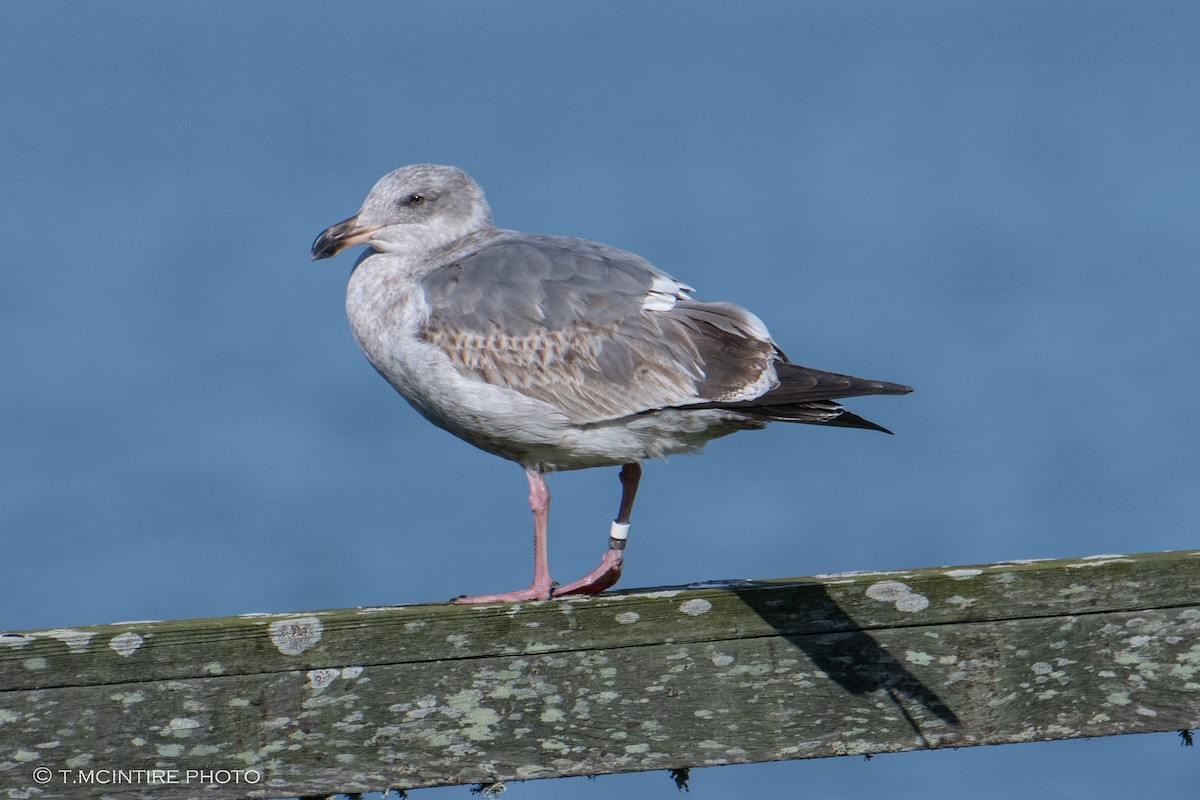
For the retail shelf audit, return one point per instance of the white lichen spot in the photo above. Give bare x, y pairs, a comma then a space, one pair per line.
913, 602
271, 747
350, 673
556, 745
128, 698
1061, 731
480, 721
1145, 712
379, 609
662, 593
477, 719
276, 723
1140, 641
293, 636
1185, 671
858, 573
628, 617
320, 678
637, 748
1047, 694
1041, 668
239, 702
180, 727
170, 750
14, 639
126, 644
696, 607
961, 602
204, 750
722, 659
460, 640
25, 756
350, 721
703, 713
76, 640
552, 714
1119, 699
963, 574
35, 663
899, 594
888, 591
1100, 561
915, 657
415, 625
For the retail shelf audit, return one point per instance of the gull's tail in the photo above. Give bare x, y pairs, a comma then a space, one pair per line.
806, 395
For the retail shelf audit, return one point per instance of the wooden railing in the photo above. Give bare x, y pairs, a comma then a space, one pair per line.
368, 699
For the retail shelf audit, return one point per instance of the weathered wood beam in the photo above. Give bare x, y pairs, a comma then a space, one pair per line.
372, 698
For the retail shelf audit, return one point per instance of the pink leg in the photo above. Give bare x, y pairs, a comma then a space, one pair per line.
539, 501
609, 571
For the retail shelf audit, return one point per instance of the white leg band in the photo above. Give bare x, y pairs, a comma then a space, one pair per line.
619, 531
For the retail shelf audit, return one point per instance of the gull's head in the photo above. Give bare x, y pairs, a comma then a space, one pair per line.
414, 209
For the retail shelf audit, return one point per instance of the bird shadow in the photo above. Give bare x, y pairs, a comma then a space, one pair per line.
835, 644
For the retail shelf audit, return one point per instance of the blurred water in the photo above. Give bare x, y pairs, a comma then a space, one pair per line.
994, 202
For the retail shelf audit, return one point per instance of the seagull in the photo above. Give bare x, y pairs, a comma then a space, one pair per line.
559, 353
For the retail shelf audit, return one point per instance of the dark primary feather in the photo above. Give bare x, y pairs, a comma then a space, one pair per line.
806, 395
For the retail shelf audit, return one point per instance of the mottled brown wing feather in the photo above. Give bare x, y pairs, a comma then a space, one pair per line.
567, 322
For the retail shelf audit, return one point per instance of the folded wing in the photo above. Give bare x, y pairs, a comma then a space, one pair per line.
602, 334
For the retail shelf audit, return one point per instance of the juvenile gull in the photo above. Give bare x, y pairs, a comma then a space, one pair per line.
558, 353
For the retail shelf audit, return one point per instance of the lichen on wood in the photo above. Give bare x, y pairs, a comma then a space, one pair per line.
365, 699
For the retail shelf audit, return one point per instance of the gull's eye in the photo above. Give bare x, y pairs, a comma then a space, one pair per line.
416, 199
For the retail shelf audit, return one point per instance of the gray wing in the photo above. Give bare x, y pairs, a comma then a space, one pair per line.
598, 332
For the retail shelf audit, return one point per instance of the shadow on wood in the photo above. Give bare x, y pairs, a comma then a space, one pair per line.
849, 656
